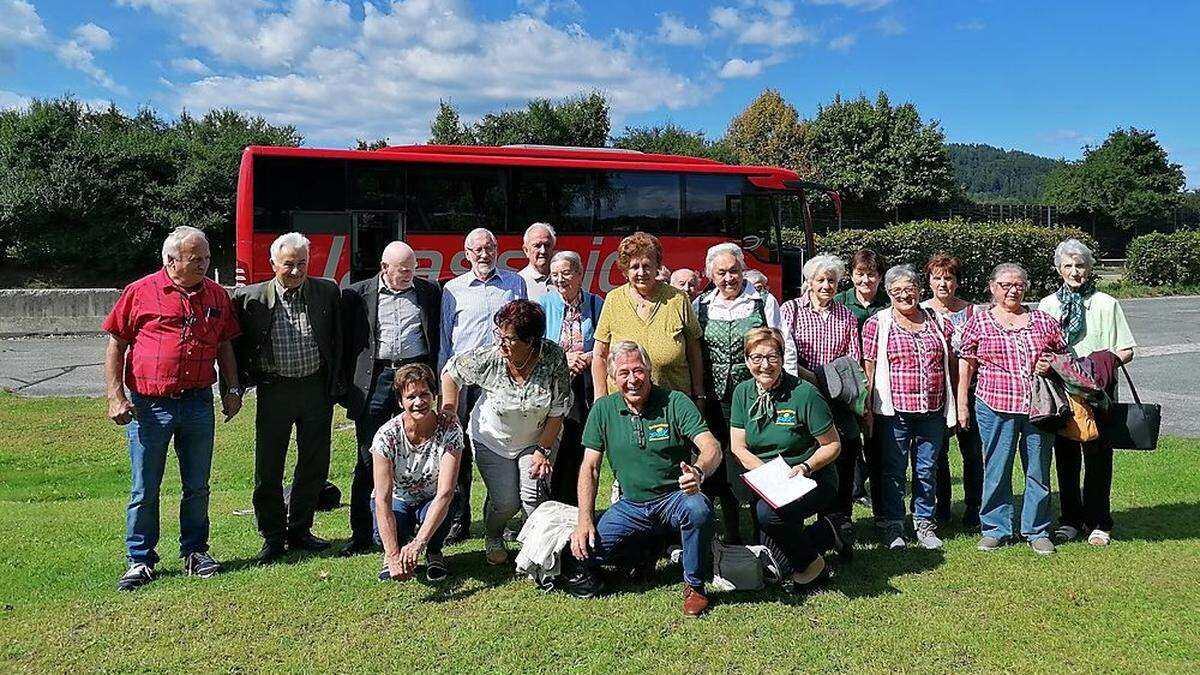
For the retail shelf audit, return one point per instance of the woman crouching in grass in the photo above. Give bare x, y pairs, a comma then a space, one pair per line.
416, 458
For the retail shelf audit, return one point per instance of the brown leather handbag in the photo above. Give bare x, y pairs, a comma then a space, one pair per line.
1081, 424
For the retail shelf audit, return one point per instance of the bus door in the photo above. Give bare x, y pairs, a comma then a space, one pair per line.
759, 226
370, 232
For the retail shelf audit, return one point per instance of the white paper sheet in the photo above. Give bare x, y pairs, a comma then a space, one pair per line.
771, 482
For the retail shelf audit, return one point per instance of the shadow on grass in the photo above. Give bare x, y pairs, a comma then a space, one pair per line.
1161, 522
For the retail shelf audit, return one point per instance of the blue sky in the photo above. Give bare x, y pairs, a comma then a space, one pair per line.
1045, 77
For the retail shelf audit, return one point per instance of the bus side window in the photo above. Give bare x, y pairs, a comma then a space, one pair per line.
562, 198
455, 198
629, 201
705, 203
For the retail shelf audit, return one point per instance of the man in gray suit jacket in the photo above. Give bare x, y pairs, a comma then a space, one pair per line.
390, 320
291, 349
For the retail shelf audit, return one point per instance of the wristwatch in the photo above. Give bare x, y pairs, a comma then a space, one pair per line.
236, 391
807, 469
697, 469
543, 451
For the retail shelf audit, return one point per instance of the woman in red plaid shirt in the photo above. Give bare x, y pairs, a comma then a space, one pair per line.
908, 360
816, 330
1009, 344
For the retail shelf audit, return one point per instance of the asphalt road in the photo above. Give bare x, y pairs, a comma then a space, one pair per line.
1166, 369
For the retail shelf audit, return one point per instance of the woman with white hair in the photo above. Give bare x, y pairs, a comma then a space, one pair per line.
817, 330
1008, 345
571, 316
726, 313
1093, 322
907, 356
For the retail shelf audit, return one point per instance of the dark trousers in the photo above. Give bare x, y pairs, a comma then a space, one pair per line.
564, 481
719, 486
379, 408
851, 437
305, 403
783, 529
972, 458
468, 397
1090, 507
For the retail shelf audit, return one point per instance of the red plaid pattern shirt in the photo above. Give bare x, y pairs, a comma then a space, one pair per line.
172, 334
915, 366
812, 338
1005, 358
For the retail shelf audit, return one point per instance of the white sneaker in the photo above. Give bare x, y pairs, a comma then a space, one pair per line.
927, 534
1099, 538
495, 551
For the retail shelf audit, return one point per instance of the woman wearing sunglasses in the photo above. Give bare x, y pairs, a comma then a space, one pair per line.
526, 392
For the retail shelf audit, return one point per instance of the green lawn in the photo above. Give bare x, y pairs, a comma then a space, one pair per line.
63, 480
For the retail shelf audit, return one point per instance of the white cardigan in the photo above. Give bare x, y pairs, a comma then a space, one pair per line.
882, 403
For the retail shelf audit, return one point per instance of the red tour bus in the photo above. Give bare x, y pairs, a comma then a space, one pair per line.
351, 203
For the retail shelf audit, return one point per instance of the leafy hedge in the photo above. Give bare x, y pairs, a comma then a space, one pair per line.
979, 246
1164, 259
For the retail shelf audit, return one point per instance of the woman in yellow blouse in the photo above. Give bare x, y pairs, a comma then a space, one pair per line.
654, 315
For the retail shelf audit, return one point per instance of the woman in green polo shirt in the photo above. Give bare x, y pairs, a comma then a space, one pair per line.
776, 414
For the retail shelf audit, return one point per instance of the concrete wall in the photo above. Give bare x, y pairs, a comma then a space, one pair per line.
54, 311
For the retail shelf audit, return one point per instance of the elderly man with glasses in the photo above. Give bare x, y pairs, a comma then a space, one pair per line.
647, 432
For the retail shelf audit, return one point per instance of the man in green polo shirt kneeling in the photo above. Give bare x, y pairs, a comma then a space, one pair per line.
647, 433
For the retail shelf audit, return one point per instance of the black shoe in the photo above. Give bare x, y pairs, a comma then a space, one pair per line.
435, 568
458, 533
578, 579
354, 548
201, 565
970, 520
843, 530
271, 552
138, 575
307, 542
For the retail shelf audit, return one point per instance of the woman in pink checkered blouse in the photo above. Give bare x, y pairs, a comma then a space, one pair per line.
816, 330
1008, 345
909, 365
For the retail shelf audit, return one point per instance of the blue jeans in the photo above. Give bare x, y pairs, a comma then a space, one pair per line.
410, 516
921, 434
628, 530
189, 420
1003, 434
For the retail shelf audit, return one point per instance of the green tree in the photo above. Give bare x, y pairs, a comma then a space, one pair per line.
580, 121
377, 144
770, 132
882, 156
1128, 179
670, 139
447, 128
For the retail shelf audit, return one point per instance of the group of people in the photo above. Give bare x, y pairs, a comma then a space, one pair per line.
534, 379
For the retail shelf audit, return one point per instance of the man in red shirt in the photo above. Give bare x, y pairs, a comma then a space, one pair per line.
164, 334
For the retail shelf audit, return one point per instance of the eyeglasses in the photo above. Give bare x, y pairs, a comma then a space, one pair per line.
505, 340
1011, 285
489, 248
757, 359
903, 291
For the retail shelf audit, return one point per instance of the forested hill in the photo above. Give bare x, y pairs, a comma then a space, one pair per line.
990, 174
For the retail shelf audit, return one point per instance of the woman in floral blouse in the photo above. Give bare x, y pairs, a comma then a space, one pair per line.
416, 457
526, 389
1008, 345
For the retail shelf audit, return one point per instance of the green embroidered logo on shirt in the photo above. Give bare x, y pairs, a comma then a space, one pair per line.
785, 417
658, 432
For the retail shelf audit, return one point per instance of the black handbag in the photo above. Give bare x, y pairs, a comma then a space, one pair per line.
1131, 426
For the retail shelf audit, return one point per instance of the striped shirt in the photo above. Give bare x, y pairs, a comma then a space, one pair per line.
1006, 357
814, 337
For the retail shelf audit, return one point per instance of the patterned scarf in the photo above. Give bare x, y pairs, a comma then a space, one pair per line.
1072, 319
763, 406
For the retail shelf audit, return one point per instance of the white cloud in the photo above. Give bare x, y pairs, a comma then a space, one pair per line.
973, 24
75, 55
761, 24
843, 43
20, 25
11, 99
673, 31
383, 75
190, 66
865, 5
94, 37
543, 8
739, 68
249, 32
889, 25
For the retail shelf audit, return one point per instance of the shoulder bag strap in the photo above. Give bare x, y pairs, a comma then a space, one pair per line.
1132, 389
